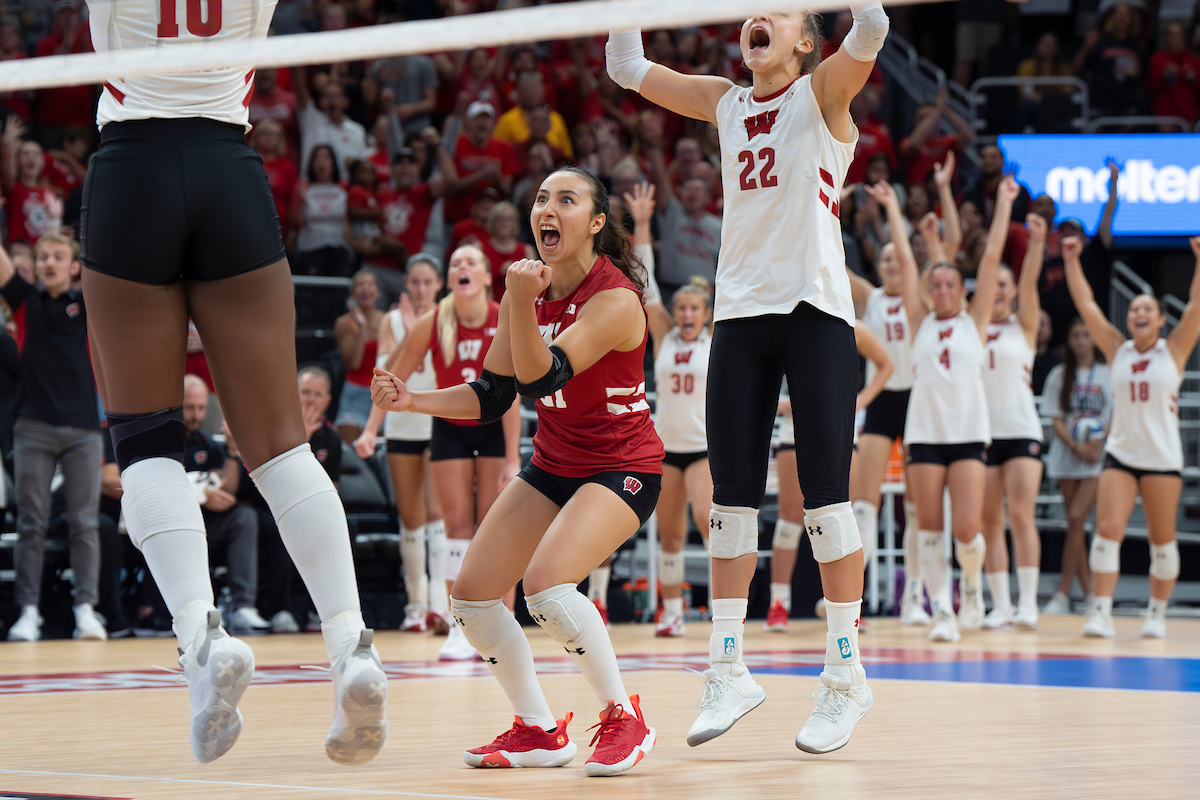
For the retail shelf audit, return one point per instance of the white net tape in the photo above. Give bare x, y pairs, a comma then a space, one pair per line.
530, 24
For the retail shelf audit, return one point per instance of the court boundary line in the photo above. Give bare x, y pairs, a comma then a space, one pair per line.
384, 792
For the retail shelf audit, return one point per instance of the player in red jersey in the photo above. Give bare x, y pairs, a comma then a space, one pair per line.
572, 334
470, 462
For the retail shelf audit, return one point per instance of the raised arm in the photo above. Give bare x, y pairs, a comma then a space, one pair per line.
943, 175
928, 228
694, 96
910, 280
641, 208
838, 78
1182, 340
1104, 333
870, 348
987, 279
1104, 231
1029, 303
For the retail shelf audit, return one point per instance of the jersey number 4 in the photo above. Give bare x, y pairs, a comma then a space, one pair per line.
767, 154
198, 23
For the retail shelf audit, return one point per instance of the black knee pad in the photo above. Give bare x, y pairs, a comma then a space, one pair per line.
137, 437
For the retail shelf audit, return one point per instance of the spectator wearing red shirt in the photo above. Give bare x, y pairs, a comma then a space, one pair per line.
268, 141
34, 210
501, 245
873, 135
271, 101
380, 155
480, 162
466, 79
1173, 76
19, 101
474, 227
405, 210
67, 167
65, 106
923, 148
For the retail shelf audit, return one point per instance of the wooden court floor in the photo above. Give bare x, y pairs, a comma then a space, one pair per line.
1005, 714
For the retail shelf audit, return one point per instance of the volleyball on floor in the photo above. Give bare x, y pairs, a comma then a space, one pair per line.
1086, 429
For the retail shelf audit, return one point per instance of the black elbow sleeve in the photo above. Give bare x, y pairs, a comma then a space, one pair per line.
556, 378
496, 394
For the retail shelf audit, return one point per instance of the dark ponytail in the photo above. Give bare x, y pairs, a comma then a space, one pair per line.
613, 241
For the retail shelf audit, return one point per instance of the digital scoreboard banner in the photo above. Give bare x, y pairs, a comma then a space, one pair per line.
1158, 189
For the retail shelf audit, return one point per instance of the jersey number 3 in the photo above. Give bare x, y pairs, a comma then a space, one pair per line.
767, 154
198, 24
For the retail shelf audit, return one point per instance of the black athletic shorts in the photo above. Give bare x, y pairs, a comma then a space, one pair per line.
1002, 450
886, 414
681, 461
1112, 463
466, 441
639, 490
749, 357
404, 447
947, 454
173, 199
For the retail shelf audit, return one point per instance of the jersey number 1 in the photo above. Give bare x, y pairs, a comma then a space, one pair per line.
168, 26
767, 154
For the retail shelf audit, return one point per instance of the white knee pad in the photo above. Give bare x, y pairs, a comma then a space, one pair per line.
732, 531
564, 613
866, 514
482, 622
456, 551
670, 568
787, 535
158, 498
1105, 555
1164, 561
832, 532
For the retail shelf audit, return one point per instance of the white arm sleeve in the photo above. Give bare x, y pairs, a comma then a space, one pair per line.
626, 60
650, 295
870, 28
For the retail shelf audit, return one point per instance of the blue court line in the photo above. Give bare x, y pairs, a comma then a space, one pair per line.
1145, 674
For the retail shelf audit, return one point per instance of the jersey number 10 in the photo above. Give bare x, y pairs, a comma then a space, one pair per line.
168, 25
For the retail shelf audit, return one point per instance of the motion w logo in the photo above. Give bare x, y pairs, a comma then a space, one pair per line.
829, 199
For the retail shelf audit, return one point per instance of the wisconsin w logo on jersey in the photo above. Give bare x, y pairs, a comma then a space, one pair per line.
683, 358
945, 334
895, 309
761, 123
994, 336
1141, 365
469, 350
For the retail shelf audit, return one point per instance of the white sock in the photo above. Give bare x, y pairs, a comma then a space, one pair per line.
598, 585
1001, 594
782, 593
670, 568
495, 633
912, 561
341, 631
178, 560
439, 600
412, 558
970, 562
312, 524
673, 606
1103, 604
1027, 587
1157, 608
729, 624
867, 516
456, 552
574, 622
935, 571
841, 643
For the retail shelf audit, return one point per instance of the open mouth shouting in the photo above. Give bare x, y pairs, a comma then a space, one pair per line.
760, 38
549, 238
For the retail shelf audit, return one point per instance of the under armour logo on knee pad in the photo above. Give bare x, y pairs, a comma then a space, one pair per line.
714, 524
577, 651
814, 530
490, 660
538, 618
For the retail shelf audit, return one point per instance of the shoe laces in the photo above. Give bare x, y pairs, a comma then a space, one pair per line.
180, 677
830, 703
508, 735
714, 687
609, 725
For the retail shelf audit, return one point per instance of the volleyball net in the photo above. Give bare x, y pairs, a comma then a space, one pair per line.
488, 29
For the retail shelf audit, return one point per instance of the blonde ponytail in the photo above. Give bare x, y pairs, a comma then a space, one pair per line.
447, 323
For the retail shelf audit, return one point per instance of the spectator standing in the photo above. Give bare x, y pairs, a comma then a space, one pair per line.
1173, 76
270, 101
58, 424
355, 332
1114, 64
1047, 61
513, 125
689, 236
320, 213
325, 122
65, 106
413, 80
481, 162
67, 167
34, 210
406, 208
979, 29
18, 102
924, 147
268, 141
983, 191
501, 246
873, 136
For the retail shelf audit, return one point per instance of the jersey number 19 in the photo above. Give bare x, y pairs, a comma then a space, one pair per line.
198, 24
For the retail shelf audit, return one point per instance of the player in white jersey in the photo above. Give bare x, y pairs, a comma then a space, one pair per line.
947, 430
1144, 451
785, 541
408, 438
783, 306
178, 221
1014, 464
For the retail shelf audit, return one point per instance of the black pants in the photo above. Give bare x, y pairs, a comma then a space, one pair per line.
748, 360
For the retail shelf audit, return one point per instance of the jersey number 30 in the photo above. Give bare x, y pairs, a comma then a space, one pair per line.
198, 23
767, 155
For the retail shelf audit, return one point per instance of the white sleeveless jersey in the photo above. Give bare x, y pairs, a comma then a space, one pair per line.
884, 316
221, 94
782, 173
1145, 420
405, 426
948, 403
681, 383
1007, 379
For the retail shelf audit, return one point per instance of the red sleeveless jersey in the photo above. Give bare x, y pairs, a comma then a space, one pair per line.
473, 344
600, 421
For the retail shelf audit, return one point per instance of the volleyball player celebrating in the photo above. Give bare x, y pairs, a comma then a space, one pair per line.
159, 249
1014, 465
947, 431
783, 306
1144, 454
593, 480
408, 438
470, 461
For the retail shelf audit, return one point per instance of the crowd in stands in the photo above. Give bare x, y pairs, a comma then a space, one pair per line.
373, 162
